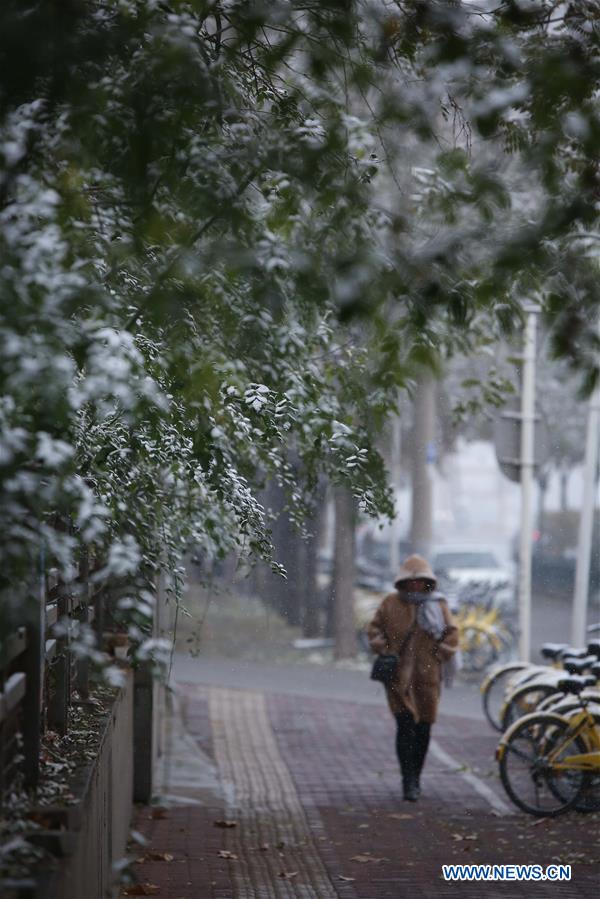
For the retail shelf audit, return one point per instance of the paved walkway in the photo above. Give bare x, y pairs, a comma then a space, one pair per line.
326, 681
270, 795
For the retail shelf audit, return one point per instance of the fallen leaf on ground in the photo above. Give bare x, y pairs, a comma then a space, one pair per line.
363, 859
159, 856
158, 813
225, 853
346, 879
363, 826
457, 836
471, 836
225, 824
142, 889
264, 847
287, 875
400, 816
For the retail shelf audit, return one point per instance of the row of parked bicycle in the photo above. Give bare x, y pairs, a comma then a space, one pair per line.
549, 717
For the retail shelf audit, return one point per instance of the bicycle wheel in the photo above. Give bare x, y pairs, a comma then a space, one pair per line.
494, 689
529, 777
477, 649
524, 701
589, 799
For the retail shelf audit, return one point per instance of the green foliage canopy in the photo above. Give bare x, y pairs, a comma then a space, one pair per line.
217, 253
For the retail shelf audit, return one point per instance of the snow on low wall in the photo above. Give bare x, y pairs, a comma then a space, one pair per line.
106, 811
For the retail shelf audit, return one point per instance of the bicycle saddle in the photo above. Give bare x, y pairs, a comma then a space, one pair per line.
594, 648
578, 666
574, 666
572, 653
553, 650
575, 684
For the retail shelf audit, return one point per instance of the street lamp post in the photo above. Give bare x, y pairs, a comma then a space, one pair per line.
527, 472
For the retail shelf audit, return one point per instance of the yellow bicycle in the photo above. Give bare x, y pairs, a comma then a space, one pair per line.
550, 763
482, 635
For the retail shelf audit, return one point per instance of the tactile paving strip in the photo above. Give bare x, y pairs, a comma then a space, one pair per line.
277, 855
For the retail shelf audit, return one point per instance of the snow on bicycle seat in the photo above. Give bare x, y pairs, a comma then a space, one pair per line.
571, 652
552, 650
575, 684
578, 666
574, 666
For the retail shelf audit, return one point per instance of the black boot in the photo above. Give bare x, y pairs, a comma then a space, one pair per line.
410, 787
405, 750
421, 744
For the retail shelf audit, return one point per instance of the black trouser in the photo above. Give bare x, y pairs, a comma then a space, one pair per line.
412, 741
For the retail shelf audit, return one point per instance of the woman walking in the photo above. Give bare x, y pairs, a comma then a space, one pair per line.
414, 623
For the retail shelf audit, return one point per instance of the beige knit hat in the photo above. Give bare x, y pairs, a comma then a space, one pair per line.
415, 568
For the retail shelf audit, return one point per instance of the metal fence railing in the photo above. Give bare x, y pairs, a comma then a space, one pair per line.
40, 675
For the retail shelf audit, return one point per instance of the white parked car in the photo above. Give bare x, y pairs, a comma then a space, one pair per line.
459, 567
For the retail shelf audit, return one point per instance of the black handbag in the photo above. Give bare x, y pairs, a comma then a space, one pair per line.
385, 666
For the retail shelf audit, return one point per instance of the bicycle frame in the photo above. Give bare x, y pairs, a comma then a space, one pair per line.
582, 724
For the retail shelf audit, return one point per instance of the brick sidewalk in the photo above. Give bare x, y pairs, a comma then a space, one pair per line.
313, 790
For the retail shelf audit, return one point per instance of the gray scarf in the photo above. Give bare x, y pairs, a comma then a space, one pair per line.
430, 617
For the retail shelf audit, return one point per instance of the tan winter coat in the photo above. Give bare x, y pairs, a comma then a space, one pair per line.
417, 684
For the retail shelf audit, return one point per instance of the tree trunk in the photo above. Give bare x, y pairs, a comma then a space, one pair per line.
290, 551
543, 493
396, 478
311, 625
343, 576
272, 587
564, 489
423, 458
310, 610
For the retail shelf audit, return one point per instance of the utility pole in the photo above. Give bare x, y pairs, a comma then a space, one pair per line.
424, 455
527, 473
586, 523
395, 472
